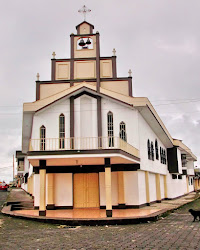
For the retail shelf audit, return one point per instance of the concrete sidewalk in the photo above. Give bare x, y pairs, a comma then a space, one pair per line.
92, 216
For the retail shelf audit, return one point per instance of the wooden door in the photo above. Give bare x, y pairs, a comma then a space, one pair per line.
86, 190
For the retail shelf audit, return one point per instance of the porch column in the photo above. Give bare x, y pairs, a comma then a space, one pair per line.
121, 196
187, 183
50, 192
108, 187
165, 186
42, 207
158, 191
147, 188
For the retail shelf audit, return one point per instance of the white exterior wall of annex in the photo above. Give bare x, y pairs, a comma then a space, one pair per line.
176, 187
49, 117
120, 113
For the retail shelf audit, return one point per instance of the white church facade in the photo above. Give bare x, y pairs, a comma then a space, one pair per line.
90, 143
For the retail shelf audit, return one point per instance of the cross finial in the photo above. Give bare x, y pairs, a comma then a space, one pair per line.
38, 76
54, 55
84, 11
130, 73
114, 52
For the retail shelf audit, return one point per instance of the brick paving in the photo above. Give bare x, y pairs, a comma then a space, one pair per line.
176, 231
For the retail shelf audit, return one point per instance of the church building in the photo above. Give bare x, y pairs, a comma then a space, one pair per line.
90, 143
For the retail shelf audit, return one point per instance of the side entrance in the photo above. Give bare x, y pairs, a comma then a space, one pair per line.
86, 190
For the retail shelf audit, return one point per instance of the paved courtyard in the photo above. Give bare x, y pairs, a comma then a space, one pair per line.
176, 231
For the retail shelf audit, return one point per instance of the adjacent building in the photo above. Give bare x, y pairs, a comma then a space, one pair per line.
90, 143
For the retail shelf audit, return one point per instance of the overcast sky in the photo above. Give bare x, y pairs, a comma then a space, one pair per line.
158, 40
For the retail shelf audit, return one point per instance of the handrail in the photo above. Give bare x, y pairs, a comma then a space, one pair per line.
81, 143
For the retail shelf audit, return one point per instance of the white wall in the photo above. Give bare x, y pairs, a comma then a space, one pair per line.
49, 117
120, 113
152, 187
36, 190
85, 113
162, 186
145, 133
114, 187
63, 189
176, 187
131, 188
142, 187
190, 167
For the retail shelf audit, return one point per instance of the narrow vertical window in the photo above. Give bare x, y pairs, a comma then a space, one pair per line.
110, 129
42, 137
122, 131
149, 150
152, 151
156, 149
161, 155
164, 157
61, 131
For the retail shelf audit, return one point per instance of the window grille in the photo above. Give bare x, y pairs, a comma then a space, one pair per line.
110, 129
61, 131
42, 137
156, 149
149, 150
122, 131
152, 151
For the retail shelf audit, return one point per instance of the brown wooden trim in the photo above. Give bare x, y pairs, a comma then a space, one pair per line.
86, 93
53, 69
37, 90
98, 62
99, 118
42, 164
107, 163
86, 80
72, 119
83, 23
130, 86
78, 30
114, 67
91, 29
72, 45
82, 59
71, 72
90, 168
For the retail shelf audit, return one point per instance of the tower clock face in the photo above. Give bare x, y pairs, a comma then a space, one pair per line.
84, 43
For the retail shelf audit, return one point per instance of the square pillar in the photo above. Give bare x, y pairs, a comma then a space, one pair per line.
108, 187
42, 171
50, 192
158, 191
165, 186
121, 196
147, 188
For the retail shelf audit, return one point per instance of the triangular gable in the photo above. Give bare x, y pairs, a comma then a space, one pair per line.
83, 23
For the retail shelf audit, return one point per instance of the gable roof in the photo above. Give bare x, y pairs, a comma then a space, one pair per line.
83, 23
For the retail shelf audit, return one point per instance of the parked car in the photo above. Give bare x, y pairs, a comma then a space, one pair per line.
4, 186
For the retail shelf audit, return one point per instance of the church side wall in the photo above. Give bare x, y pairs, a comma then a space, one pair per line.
162, 190
141, 187
145, 133
176, 187
36, 190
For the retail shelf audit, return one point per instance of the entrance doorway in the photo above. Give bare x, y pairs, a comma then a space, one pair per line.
86, 190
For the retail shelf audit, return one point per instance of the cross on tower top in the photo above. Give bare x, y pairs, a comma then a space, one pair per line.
84, 10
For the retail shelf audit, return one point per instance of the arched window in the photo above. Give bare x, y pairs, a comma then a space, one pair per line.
149, 150
152, 151
61, 131
156, 149
164, 157
161, 155
42, 137
110, 129
122, 131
